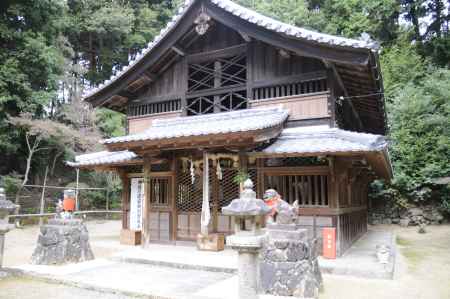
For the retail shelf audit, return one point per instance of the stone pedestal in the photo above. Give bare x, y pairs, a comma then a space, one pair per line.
6, 207
248, 249
62, 241
288, 263
2, 246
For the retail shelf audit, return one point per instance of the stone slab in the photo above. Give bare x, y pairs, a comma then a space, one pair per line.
360, 260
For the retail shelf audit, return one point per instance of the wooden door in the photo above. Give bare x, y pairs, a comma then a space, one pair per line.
161, 209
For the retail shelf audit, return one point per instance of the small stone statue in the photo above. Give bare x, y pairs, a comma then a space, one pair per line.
282, 212
383, 253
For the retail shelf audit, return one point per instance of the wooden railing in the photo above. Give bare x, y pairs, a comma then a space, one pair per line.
153, 108
307, 190
290, 89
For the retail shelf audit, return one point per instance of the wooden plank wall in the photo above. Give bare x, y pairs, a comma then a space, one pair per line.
268, 63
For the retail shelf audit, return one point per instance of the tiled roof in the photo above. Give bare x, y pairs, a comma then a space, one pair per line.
208, 124
250, 16
101, 158
322, 139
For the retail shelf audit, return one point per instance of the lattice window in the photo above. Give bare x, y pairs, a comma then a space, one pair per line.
160, 188
189, 196
228, 188
217, 73
230, 101
308, 190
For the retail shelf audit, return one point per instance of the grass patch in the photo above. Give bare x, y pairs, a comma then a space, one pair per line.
403, 242
413, 257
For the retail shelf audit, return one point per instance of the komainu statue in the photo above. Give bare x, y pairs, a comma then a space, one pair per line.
282, 212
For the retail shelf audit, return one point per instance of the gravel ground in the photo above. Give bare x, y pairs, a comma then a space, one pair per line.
20, 243
422, 271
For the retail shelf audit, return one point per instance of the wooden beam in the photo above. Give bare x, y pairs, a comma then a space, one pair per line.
344, 89
178, 50
285, 54
144, 64
245, 36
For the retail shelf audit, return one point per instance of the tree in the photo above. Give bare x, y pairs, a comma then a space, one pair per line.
43, 135
420, 135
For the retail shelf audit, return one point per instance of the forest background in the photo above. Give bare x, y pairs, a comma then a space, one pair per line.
52, 50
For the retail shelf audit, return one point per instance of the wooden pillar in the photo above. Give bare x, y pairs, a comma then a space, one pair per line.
146, 203
333, 191
215, 199
125, 199
243, 161
260, 177
173, 194
243, 166
205, 216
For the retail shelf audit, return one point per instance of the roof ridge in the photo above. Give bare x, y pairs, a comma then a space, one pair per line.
215, 123
165, 122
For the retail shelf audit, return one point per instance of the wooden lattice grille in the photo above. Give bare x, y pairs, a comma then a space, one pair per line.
189, 195
220, 72
153, 108
224, 102
308, 190
228, 188
289, 89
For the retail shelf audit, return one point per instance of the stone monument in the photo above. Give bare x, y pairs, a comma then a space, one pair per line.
288, 263
6, 207
248, 212
62, 240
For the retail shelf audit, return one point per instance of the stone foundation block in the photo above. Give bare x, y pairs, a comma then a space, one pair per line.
62, 241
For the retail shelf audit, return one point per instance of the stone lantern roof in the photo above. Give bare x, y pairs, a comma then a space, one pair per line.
247, 204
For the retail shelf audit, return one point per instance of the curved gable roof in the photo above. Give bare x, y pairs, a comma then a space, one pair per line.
248, 15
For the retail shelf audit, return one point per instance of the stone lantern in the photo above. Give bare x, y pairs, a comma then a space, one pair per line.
6, 207
248, 213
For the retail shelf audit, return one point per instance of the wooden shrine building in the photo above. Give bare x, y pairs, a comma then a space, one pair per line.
224, 92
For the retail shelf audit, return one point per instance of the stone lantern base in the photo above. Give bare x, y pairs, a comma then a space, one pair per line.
62, 241
288, 263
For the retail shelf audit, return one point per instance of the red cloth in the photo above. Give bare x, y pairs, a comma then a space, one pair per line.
272, 204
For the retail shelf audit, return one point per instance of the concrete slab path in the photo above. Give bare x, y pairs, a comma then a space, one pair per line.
187, 257
360, 260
